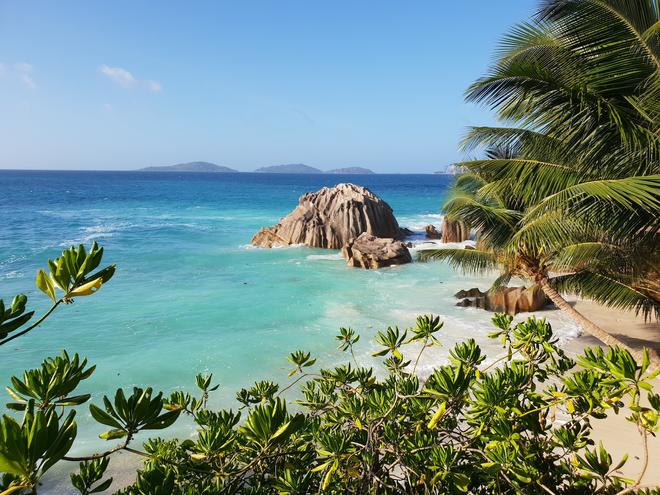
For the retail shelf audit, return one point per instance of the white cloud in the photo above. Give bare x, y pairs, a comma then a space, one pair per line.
118, 75
25, 74
153, 86
21, 71
126, 80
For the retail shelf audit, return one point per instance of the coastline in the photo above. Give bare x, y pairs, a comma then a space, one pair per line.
625, 325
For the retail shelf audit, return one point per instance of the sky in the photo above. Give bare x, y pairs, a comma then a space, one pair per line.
127, 84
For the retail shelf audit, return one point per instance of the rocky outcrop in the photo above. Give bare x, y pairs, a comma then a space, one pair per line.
474, 292
330, 218
454, 231
432, 232
371, 252
510, 300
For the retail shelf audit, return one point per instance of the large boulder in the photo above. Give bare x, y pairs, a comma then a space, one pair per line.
454, 231
371, 252
329, 218
510, 300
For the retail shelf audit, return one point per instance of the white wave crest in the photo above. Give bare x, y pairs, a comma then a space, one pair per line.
418, 223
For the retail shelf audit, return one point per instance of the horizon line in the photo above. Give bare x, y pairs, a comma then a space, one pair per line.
2, 169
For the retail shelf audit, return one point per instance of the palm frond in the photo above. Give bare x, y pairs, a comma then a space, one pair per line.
549, 233
584, 255
470, 261
510, 137
530, 179
627, 206
607, 28
526, 36
495, 224
609, 291
501, 281
468, 183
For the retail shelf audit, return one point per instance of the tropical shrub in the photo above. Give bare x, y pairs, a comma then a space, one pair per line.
519, 424
70, 276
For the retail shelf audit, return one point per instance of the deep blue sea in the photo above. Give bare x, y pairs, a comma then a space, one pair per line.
191, 295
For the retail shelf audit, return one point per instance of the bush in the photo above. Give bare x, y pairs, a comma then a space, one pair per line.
520, 424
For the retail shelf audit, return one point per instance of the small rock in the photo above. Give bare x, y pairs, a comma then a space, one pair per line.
432, 232
474, 292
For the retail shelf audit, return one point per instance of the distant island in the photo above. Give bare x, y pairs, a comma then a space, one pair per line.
291, 168
190, 167
350, 170
301, 168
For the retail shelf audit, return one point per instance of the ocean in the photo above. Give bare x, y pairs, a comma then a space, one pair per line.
191, 295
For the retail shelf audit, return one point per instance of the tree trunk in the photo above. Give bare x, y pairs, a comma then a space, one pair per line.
587, 325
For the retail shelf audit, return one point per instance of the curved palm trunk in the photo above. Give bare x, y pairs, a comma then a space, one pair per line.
587, 325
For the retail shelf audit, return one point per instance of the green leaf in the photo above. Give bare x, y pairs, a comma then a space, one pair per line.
45, 284
103, 486
73, 401
103, 417
113, 434
461, 481
437, 416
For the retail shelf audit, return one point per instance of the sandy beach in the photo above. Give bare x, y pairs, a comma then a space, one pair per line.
619, 436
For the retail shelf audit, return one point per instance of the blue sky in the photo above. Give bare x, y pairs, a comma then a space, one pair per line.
128, 84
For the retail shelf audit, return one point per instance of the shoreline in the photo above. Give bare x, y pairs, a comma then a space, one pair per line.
619, 436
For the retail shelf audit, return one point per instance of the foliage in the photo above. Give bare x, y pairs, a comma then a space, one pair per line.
51, 384
568, 195
91, 472
574, 189
70, 276
472, 426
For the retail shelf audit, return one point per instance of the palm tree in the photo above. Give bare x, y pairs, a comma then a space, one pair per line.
570, 198
584, 260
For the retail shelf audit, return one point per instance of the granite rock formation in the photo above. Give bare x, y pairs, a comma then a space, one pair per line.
510, 300
432, 232
371, 252
454, 231
330, 218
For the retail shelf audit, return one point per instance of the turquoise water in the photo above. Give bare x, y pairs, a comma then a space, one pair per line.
190, 295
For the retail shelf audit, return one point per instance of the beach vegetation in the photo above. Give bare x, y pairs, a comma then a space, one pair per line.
568, 194
520, 422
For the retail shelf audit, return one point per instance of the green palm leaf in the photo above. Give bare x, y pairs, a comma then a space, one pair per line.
625, 207
610, 291
467, 260
495, 224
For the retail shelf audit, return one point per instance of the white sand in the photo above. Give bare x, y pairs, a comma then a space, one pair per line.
618, 435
